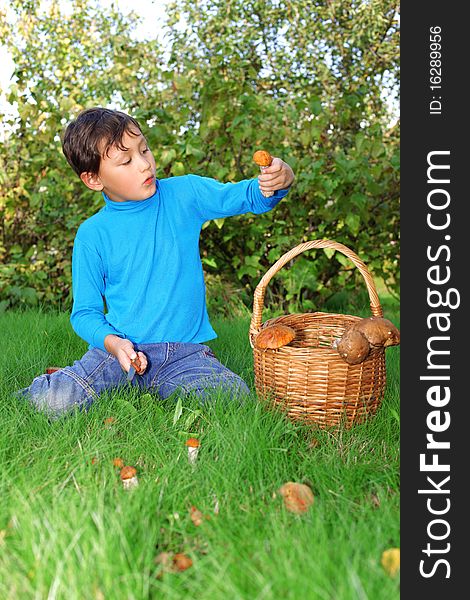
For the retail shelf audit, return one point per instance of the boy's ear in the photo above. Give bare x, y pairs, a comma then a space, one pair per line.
92, 181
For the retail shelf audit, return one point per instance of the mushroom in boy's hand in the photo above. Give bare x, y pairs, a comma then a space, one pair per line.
193, 449
353, 347
378, 331
129, 477
263, 159
135, 362
274, 336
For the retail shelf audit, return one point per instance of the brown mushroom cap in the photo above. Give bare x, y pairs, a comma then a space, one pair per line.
262, 158
298, 497
193, 443
181, 562
274, 336
353, 347
128, 472
378, 331
118, 462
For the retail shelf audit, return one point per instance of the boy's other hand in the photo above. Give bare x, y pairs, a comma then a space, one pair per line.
278, 176
124, 351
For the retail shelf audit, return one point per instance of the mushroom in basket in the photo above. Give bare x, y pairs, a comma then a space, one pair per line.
274, 336
362, 336
378, 331
353, 347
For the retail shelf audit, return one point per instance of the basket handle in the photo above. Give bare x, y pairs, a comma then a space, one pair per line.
260, 290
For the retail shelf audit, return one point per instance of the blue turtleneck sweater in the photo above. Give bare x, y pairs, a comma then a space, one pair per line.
142, 257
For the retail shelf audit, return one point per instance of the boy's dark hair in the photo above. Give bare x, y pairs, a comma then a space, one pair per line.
89, 137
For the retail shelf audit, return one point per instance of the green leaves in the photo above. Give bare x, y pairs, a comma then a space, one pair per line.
166, 157
315, 105
353, 221
178, 411
177, 168
210, 262
193, 151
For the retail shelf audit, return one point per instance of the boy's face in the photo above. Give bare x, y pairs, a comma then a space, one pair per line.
125, 175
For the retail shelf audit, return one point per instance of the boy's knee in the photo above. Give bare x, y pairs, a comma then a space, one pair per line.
231, 387
54, 394
239, 388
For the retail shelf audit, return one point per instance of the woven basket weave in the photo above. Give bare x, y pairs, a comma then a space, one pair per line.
307, 378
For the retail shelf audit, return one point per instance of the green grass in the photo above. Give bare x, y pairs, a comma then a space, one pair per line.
69, 531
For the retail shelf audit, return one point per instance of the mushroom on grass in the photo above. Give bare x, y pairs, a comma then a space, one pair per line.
109, 422
129, 477
274, 336
298, 497
193, 449
390, 561
171, 563
181, 562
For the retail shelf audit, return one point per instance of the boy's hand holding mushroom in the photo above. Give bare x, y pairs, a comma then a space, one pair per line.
124, 351
275, 173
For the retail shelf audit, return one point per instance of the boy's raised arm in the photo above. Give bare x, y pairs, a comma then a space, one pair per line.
217, 200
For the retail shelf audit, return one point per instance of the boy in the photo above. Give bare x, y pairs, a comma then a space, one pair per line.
139, 254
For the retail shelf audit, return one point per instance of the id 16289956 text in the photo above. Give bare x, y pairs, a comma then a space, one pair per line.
435, 70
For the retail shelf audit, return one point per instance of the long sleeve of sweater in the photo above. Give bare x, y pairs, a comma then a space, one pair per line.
217, 200
88, 318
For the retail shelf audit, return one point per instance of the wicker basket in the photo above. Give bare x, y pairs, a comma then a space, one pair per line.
307, 378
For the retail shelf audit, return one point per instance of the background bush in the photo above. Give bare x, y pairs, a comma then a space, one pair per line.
309, 81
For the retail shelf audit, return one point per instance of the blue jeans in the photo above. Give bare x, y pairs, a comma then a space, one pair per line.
189, 368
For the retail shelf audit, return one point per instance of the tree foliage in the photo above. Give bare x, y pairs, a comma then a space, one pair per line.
308, 81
